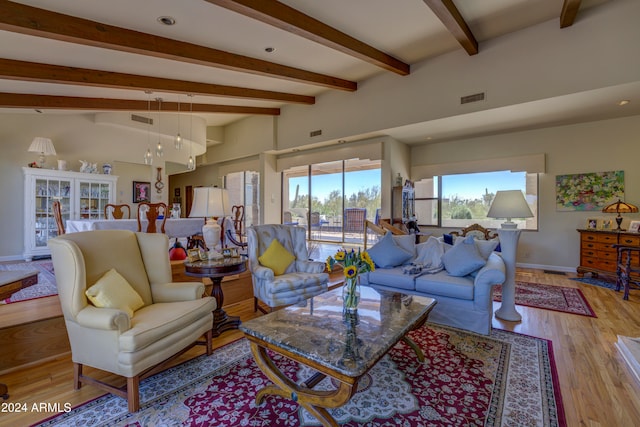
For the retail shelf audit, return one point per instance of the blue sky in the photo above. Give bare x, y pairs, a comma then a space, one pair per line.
324, 184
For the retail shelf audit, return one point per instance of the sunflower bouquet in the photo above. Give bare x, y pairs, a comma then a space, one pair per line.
353, 263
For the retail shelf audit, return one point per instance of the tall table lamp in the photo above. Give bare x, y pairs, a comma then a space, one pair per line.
44, 146
509, 204
210, 203
618, 208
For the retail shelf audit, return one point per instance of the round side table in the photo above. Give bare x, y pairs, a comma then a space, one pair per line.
216, 270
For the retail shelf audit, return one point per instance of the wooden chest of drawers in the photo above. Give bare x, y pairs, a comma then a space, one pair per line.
597, 254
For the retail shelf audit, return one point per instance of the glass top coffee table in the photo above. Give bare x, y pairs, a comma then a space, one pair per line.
343, 347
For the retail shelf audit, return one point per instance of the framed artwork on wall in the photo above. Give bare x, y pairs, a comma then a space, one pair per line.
588, 191
141, 191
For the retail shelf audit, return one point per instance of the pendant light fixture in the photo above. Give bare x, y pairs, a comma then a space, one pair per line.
148, 157
159, 150
191, 164
177, 143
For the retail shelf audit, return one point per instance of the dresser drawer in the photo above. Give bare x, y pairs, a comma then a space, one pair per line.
606, 265
608, 256
610, 239
630, 240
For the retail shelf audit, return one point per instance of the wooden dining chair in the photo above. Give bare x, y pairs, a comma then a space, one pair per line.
57, 216
116, 211
152, 212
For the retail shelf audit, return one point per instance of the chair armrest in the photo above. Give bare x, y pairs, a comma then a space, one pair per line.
176, 291
261, 272
109, 319
310, 266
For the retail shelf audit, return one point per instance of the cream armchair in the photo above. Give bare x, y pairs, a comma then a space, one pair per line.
301, 280
172, 318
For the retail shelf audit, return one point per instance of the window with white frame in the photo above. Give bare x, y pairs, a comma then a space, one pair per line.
459, 200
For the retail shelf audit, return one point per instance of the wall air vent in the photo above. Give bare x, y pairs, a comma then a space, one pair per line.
315, 133
141, 119
472, 98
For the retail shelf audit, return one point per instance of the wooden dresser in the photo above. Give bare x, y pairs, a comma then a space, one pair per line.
597, 254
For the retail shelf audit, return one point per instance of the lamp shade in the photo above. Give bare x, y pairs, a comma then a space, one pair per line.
43, 146
620, 207
210, 202
509, 204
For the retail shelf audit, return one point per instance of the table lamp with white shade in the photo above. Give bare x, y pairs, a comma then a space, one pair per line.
210, 203
509, 204
44, 146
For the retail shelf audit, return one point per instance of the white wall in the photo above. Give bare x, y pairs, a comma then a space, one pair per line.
590, 147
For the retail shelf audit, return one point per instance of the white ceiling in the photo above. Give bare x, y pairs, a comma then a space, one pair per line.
407, 30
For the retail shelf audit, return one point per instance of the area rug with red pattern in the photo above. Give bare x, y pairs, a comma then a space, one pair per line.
466, 380
549, 297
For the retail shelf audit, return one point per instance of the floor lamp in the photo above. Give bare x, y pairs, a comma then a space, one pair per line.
210, 203
509, 204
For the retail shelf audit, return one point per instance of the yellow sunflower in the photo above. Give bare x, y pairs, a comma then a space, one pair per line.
350, 271
340, 256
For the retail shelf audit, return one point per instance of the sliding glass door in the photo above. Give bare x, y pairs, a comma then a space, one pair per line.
331, 200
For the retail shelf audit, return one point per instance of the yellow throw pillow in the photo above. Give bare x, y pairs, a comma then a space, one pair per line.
113, 291
276, 257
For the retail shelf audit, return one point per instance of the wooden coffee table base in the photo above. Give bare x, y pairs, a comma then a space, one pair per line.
314, 401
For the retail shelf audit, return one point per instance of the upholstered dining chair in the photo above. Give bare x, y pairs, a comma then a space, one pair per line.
279, 285
152, 212
116, 211
122, 312
57, 216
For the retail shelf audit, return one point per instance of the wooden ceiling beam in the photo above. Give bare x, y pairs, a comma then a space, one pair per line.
45, 73
33, 21
293, 21
448, 13
569, 12
52, 102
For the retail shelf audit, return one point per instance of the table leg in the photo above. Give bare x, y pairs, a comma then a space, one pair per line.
415, 348
221, 320
314, 401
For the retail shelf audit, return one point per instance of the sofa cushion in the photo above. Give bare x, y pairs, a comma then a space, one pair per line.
387, 254
277, 258
445, 285
485, 247
113, 291
393, 277
463, 259
406, 242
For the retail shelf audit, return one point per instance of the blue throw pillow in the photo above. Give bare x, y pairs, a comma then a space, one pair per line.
448, 239
463, 259
386, 254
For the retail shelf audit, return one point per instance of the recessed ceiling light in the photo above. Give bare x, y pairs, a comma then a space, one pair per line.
623, 102
269, 49
166, 20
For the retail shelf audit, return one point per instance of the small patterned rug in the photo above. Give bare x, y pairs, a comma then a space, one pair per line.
45, 287
549, 297
466, 380
609, 284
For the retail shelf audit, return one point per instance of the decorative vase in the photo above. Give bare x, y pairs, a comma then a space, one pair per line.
351, 295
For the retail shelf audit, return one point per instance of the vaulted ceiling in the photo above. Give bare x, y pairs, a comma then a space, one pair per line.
236, 57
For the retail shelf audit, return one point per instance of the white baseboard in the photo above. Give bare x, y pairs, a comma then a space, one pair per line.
11, 258
547, 267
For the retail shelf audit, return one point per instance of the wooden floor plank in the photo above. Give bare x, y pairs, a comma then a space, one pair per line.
597, 387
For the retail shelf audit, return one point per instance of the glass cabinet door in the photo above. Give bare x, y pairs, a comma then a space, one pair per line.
46, 192
93, 197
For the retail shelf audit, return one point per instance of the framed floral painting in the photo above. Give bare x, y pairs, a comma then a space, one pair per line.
141, 191
588, 191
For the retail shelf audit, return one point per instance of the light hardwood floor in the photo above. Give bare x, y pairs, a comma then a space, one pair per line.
597, 387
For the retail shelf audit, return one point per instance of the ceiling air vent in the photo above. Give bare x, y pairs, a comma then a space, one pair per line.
472, 98
315, 133
141, 119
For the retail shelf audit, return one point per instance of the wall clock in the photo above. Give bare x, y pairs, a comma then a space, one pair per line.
159, 184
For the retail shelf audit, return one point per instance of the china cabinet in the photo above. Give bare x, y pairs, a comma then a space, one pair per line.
81, 196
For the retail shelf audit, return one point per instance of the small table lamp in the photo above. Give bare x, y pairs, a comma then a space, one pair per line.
210, 202
44, 146
509, 204
620, 207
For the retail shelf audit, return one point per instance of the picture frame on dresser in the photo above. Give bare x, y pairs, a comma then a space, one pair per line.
606, 224
634, 227
592, 223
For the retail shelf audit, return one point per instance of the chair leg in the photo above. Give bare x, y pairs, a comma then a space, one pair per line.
133, 393
208, 337
77, 373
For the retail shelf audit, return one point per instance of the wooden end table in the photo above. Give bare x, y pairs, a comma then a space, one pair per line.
216, 270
